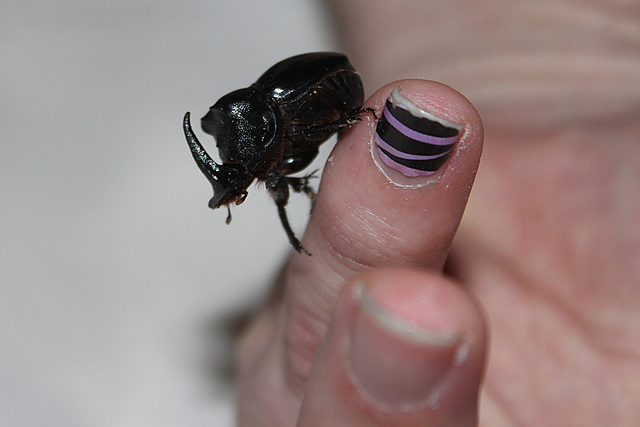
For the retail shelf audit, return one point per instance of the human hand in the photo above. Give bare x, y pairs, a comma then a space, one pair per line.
367, 332
550, 245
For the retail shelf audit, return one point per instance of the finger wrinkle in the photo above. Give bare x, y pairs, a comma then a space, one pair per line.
360, 238
306, 313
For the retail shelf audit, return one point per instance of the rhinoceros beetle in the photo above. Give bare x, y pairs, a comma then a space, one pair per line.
274, 127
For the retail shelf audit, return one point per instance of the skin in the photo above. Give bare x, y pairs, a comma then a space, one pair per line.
542, 281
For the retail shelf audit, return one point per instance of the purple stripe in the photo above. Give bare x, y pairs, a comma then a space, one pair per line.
410, 133
402, 168
408, 156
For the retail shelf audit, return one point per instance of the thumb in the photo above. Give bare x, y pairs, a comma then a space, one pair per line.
405, 348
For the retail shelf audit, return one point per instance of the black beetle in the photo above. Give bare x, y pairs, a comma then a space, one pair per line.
273, 128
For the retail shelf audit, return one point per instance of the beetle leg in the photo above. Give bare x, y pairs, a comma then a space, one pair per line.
301, 185
342, 124
369, 110
279, 189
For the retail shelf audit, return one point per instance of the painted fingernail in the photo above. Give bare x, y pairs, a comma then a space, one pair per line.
412, 141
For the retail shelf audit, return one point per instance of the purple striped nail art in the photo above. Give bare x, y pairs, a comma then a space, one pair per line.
411, 140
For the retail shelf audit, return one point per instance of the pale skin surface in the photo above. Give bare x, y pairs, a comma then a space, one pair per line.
548, 253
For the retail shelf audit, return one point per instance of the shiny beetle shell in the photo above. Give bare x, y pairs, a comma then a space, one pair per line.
274, 127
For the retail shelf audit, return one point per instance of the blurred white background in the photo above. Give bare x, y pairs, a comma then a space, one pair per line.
112, 268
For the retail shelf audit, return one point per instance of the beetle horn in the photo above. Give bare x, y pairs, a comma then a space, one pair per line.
212, 170
206, 164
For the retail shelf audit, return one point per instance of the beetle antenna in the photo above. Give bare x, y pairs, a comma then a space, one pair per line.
228, 220
287, 228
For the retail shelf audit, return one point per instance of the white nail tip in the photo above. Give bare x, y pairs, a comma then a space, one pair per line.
398, 99
404, 328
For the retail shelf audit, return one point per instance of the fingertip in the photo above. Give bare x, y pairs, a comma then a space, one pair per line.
406, 347
426, 132
375, 210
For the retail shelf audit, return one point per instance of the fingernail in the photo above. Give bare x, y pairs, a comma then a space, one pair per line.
411, 140
397, 365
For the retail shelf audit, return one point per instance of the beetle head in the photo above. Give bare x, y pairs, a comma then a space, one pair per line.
244, 124
229, 180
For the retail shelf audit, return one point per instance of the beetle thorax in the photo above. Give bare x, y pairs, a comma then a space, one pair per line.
245, 125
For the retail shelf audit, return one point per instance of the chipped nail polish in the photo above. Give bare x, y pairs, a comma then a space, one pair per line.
413, 141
